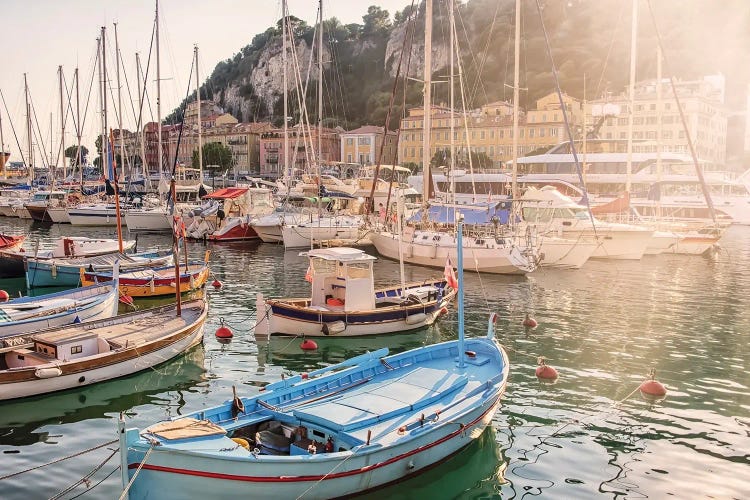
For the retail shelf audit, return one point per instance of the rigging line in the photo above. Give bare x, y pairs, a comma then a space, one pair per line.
182, 127
91, 86
84, 479
698, 170
96, 484
73, 455
39, 135
463, 106
371, 203
508, 45
478, 66
609, 50
15, 136
565, 115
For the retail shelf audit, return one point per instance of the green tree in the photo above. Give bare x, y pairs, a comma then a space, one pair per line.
216, 157
376, 22
70, 152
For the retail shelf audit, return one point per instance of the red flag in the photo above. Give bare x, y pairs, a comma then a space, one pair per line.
450, 276
309, 273
178, 226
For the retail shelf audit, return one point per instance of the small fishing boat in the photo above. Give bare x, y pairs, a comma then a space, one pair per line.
153, 282
9, 242
67, 271
345, 303
83, 354
28, 314
12, 261
334, 432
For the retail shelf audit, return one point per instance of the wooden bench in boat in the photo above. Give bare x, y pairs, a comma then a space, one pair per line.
417, 389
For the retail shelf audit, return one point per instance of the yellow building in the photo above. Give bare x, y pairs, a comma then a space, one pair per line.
363, 146
703, 105
489, 130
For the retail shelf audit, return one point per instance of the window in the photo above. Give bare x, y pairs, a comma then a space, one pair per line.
76, 349
501, 134
349, 141
349, 157
638, 120
363, 141
531, 133
553, 132
622, 121
650, 120
481, 134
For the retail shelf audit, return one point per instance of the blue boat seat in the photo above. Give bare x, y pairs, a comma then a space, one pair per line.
421, 386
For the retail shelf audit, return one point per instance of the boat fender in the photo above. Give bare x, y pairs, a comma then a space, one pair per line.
242, 442
237, 405
48, 372
333, 328
415, 319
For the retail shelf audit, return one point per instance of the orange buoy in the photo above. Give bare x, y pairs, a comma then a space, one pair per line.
652, 388
126, 299
529, 322
308, 345
544, 371
4, 296
224, 332
217, 284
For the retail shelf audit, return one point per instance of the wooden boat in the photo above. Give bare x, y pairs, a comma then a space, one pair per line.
12, 261
67, 271
154, 282
334, 432
344, 302
28, 314
83, 354
9, 242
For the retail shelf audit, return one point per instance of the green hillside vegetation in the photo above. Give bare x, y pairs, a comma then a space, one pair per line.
590, 40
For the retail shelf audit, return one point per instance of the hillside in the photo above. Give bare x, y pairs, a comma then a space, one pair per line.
590, 39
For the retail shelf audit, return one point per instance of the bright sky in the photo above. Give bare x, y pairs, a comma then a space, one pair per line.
40, 35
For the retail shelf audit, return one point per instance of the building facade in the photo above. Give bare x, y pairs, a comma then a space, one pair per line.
363, 146
488, 130
657, 122
302, 144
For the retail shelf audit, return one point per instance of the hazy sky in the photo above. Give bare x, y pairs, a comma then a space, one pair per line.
40, 35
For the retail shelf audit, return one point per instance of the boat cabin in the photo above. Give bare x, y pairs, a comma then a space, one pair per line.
341, 278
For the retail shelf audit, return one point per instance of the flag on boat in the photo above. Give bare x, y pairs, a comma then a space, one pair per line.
309, 273
178, 226
450, 275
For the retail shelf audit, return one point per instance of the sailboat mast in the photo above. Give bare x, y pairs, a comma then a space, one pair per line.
105, 140
320, 87
2, 145
200, 123
78, 129
144, 167
516, 82
427, 189
452, 76
158, 100
460, 267
658, 128
30, 158
631, 89
119, 103
61, 154
287, 173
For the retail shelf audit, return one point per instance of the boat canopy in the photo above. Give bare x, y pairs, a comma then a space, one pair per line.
227, 193
480, 213
342, 254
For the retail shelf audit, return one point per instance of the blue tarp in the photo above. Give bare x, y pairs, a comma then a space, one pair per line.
481, 213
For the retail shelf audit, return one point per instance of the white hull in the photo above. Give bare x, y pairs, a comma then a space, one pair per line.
92, 218
269, 233
366, 470
148, 220
22, 212
561, 253
100, 374
58, 215
496, 260
662, 241
300, 236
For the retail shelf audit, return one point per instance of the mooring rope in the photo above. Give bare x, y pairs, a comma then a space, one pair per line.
77, 454
140, 466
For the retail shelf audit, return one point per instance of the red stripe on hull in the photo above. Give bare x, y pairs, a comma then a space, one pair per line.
289, 479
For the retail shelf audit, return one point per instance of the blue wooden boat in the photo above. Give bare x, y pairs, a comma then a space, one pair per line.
29, 314
360, 425
66, 271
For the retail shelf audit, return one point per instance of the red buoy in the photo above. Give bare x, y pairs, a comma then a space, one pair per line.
652, 388
217, 284
529, 322
223, 332
126, 299
544, 371
304, 376
443, 311
308, 345
4, 296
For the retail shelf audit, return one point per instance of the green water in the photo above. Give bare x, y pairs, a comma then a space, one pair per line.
603, 327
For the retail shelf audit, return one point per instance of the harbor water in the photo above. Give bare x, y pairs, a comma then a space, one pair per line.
590, 435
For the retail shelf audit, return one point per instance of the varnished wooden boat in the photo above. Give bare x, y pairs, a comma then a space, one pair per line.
153, 282
78, 355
